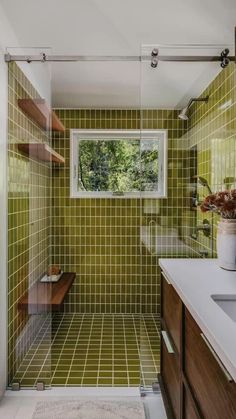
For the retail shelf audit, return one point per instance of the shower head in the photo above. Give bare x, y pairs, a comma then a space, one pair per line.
202, 181
184, 113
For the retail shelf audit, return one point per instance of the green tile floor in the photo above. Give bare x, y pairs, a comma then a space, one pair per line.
93, 350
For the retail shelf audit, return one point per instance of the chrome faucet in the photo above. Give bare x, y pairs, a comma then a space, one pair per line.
205, 227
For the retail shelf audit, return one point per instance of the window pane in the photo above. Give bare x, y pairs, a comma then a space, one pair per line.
119, 165
149, 165
110, 165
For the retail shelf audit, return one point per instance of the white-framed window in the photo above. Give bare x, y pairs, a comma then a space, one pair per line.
118, 163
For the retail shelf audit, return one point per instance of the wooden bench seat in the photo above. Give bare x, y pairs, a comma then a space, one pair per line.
45, 297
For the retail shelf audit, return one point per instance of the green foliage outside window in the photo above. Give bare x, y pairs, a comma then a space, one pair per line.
118, 165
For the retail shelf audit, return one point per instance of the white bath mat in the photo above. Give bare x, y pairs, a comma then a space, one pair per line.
125, 408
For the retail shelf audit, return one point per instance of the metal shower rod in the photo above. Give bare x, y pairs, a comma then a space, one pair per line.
224, 58
102, 58
70, 58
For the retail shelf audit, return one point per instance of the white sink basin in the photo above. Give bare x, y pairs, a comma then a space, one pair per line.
227, 303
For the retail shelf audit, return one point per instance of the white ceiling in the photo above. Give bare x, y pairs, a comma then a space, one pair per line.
120, 27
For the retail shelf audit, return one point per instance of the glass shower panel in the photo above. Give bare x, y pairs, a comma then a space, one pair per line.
200, 138
30, 165
96, 224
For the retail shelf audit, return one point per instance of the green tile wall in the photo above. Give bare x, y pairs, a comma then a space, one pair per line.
28, 218
99, 239
212, 129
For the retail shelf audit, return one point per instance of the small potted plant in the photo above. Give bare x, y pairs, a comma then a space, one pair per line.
224, 204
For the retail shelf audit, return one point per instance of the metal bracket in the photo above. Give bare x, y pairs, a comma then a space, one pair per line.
154, 58
44, 57
224, 58
156, 387
142, 391
118, 193
15, 386
7, 57
40, 386
145, 391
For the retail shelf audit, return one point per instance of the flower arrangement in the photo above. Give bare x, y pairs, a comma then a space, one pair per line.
222, 203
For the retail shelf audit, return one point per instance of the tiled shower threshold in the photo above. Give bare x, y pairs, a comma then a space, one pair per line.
94, 351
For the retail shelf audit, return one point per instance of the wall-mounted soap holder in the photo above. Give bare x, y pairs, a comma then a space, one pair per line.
51, 278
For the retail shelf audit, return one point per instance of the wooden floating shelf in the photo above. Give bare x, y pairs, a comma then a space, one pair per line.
38, 110
46, 297
42, 152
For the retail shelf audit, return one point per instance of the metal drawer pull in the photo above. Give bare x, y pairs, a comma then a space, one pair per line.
221, 365
167, 280
168, 344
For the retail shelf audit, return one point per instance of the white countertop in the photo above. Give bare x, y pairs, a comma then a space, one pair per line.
195, 280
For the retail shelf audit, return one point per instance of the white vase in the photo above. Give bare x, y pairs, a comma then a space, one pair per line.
226, 244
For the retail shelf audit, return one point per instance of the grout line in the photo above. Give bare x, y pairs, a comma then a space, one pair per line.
138, 340
87, 352
54, 338
100, 351
113, 353
77, 341
126, 357
63, 345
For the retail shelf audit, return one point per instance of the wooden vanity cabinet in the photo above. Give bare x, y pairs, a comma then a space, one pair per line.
171, 311
189, 409
171, 314
170, 373
194, 382
211, 384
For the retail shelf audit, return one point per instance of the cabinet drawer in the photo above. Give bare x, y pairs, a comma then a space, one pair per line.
214, 393
170, 374
189, 409
172, 312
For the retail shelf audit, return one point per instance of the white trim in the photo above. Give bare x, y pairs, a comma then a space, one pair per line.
78, 392
116, 135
